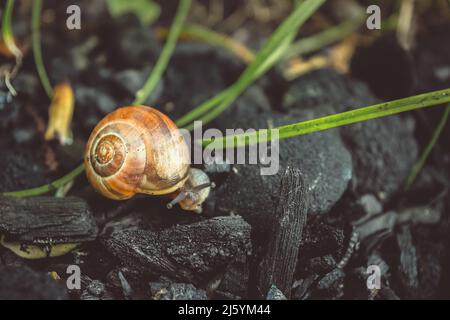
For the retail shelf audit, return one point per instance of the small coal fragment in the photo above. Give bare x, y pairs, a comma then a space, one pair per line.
321, 265
320, 239
176, 291
326, 87
96, 290
383, 152
21, 169
331, 286
312, 271
386, 67
408, 272
370, 205
183, 252
275, 294
47, 219
22, 283
196, 73
235, 280
419, 215
278, 265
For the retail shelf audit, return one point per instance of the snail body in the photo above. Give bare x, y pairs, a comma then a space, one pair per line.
138, 149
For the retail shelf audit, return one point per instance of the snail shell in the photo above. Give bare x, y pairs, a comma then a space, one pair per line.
136, 149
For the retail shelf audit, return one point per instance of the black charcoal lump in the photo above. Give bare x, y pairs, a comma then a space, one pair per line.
322, 158
384, 151
59, 220
183, 252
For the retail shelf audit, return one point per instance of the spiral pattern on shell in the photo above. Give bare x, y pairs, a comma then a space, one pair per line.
136, 149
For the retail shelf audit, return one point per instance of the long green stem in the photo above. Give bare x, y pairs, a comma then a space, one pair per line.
336, 120
163, 60
37, 50
48, 187
269, 54
423, 158
221, 40
324, 38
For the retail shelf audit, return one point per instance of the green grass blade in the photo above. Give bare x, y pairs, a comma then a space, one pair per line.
48, 187
340, 119
423, 158
37, 50
7, 34
220, 40
163, 60
324, 38
269, 54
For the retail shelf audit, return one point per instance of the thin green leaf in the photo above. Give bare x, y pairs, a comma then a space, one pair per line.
324, 38
221, 40
37, 50
269, 54
163, 60
337, 120
7, 34
423, 158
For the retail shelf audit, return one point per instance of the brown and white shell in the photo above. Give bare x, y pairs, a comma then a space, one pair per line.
136, 149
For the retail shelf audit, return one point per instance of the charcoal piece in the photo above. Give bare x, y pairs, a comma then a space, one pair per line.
386, 66
383, 153
331, 286
419, 215
278, 265
96, 290
183, 252
46, 219
176, 291
235, 280
320, 239
407, 269
135, 283
370, 204
22, 283
326, 87
302, 287
21, 168
322, 158
275, 294
321, 265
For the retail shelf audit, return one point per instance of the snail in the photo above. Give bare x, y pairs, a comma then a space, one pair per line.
138, 149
